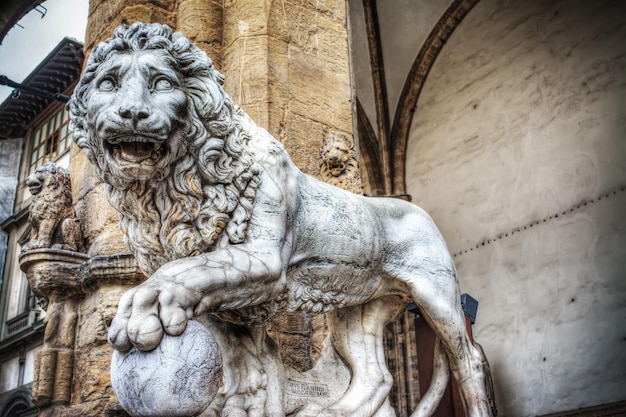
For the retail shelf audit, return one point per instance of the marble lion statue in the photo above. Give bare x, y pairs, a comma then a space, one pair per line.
223, 223
52, 218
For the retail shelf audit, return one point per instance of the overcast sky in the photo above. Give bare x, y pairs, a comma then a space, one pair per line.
23, 49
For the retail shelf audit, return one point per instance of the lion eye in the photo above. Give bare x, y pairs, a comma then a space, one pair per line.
163, 84
106, 85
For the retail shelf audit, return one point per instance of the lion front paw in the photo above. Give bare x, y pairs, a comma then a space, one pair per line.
149, 310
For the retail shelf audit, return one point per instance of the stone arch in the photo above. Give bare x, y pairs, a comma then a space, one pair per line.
412, 88
19, 404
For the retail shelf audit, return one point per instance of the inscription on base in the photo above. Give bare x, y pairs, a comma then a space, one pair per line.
304, 389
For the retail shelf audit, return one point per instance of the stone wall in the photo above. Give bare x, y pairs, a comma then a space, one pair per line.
517, 150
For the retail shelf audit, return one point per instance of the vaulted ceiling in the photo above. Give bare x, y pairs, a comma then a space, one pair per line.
394, 45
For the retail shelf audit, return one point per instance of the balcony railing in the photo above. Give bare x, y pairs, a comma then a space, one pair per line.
21, 322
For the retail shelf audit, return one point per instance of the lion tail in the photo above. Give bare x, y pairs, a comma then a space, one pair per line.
441, 375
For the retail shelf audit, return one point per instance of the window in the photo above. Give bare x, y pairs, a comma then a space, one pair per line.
51, 139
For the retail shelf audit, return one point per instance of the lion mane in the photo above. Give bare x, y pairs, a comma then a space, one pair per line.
205, 197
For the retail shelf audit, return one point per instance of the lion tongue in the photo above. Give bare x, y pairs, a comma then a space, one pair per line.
136, 151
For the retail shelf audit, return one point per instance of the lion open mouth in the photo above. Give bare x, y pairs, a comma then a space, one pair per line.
137, 151
34, 186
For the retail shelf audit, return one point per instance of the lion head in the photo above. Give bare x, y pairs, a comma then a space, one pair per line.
151, 114
338, 163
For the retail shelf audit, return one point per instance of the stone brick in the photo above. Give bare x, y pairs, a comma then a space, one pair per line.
96, 313
319, 92
83, 174
108, 15
303, 139
245, 66
309, 31
201, 22
244, 18
98, 217
91, 379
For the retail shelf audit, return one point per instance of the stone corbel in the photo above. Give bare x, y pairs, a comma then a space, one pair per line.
53, 274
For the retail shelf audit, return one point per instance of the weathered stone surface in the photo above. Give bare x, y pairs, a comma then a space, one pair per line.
292, 333
100, 224
53, 274
316, 92
249, 63
179, 378
244, 19
303, 139
96, 312
92, 382
108, 15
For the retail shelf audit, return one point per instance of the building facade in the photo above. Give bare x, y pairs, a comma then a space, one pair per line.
35, 130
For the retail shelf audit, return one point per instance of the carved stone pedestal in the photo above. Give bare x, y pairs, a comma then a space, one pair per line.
53, 276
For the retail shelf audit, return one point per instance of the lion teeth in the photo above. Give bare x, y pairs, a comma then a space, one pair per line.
137, 151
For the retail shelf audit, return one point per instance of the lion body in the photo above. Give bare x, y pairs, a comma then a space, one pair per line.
217, 213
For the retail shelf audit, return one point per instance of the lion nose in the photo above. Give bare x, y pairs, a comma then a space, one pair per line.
134, 112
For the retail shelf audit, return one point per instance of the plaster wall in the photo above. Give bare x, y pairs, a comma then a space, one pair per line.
9, 374
518, 151
29, 365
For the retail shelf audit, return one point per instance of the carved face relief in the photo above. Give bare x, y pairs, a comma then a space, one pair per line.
335, 154
137, 109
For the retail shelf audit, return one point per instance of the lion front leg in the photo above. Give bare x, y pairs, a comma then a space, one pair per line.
230, 278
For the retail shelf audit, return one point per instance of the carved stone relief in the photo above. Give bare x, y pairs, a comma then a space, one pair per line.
339, 165
231, 233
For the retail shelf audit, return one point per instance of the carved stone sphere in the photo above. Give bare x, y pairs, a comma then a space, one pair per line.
178, 378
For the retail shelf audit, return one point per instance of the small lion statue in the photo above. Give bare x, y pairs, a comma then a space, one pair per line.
338, 164
229, 230
52, 218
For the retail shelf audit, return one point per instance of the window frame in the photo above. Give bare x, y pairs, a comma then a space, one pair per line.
49, 137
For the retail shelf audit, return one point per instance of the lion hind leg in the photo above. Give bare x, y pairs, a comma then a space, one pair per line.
357, 334
439, 301
441, 375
